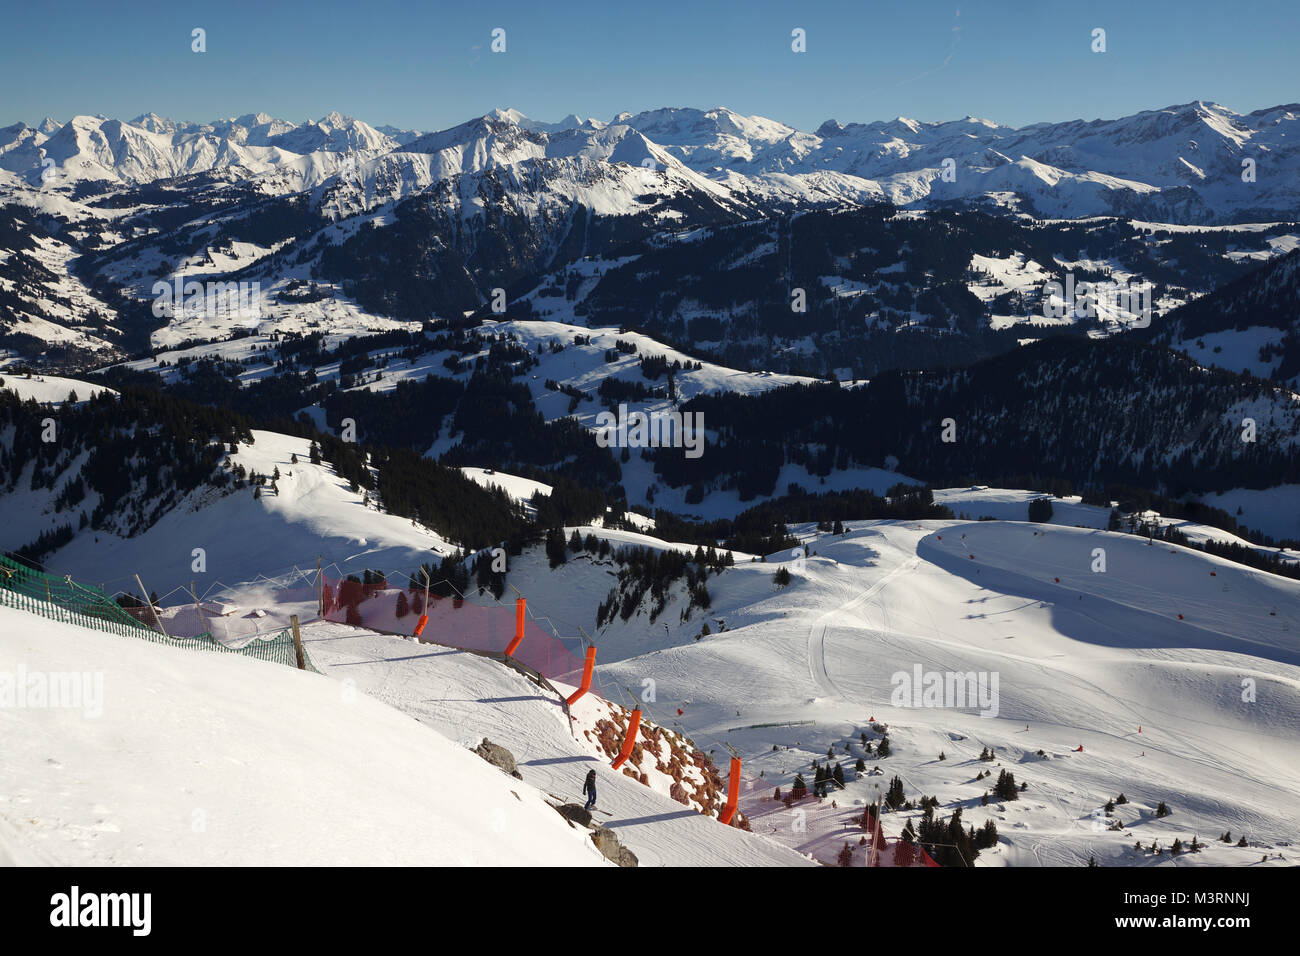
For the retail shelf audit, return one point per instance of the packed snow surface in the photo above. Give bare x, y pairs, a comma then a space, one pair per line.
192, 758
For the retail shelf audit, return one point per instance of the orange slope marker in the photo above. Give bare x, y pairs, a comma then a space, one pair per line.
585, 686
629, 740
520, 607
733, 793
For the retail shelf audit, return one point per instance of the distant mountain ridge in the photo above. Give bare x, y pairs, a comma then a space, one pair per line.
1180, 163
907, 244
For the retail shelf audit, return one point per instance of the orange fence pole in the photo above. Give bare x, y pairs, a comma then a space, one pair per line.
586, 676
419, 626
519, 627
629, 741
733, 793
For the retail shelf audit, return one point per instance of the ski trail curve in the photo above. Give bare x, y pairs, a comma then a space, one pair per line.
817, 669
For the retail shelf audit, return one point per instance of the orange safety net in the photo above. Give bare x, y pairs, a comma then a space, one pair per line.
476, 624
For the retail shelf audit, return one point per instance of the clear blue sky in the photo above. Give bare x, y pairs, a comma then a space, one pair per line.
427, 65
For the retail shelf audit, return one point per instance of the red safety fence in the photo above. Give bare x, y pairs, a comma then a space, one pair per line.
896, 853
477, 624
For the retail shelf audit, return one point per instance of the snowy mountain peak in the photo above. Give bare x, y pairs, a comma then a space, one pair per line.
1140, 165
155, 123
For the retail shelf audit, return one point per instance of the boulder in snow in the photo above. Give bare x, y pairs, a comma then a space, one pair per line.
607, 843
575, 813
498, 757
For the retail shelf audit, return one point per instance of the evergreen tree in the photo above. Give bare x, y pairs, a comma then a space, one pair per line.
800, 789
1005, 788
555, 549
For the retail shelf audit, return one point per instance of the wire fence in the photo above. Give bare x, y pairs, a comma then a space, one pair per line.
69, 602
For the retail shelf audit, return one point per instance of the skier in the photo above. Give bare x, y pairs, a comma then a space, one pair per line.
589, 788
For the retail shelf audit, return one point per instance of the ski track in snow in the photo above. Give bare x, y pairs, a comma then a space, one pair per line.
817, 633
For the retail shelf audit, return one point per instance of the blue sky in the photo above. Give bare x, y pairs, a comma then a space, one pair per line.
428, 65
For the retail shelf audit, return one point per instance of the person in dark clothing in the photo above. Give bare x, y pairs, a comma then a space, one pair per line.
589, 788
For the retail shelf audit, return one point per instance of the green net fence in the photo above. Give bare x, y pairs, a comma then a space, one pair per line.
67, 601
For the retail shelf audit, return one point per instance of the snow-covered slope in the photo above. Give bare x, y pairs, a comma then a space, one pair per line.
469, 697
1176, 672
183, 758
1082, 658
50, 389
310, 512
1250, 324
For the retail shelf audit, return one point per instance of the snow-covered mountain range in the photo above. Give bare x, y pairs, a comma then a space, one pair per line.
1181, 163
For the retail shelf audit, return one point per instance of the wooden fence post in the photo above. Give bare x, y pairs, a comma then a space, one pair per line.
297, 643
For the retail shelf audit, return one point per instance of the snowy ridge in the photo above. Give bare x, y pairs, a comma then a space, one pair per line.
1183, 160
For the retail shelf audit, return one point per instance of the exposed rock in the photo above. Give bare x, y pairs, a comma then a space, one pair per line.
607, 843
575, 813
498, 757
